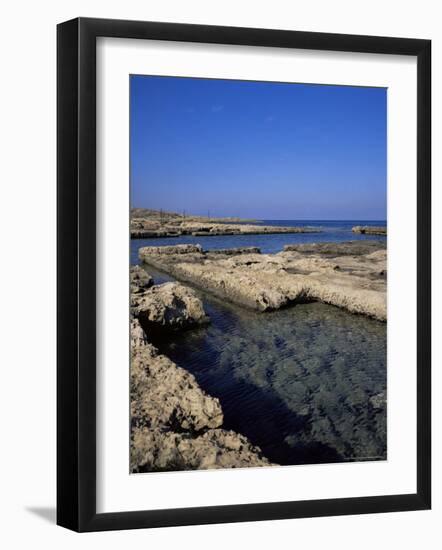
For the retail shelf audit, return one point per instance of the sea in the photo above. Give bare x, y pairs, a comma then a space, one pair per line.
307, 384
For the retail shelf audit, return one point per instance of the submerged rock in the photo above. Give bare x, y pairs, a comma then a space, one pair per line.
307, 372
379, 400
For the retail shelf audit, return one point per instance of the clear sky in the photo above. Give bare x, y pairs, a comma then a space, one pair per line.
258, 149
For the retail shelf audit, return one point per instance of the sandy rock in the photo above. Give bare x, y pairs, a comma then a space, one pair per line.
140, 280
236, 251
138, 337
170, 306
170, 225
355, 248
175, 425
172, 250
165, 396
369, 230
153, 450
264, 282
241, 229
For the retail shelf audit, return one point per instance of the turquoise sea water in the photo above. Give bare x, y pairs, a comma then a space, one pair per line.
308, 383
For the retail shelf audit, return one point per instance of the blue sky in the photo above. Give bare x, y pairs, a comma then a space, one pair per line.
258, 149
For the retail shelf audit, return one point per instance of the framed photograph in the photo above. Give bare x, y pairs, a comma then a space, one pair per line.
243, 274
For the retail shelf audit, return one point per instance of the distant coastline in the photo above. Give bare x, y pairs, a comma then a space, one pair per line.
147, 224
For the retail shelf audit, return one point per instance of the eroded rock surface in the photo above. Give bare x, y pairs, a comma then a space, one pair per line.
170, 306
175, 424
140, 280
174, 249
173, 226
166, 396
154, 450
239, 250
349, 248
353, 281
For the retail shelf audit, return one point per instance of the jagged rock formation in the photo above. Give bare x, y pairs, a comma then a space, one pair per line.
174, 249
354, 280
154, 450
165, 396
167, 307
140, 280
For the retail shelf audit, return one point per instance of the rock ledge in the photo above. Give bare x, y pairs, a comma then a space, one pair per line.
369, 230
347, 275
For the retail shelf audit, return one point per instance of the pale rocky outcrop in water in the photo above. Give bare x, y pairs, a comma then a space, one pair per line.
236, 251
378, 401
353, 281
369, 230
348, 248
174, 249
144, 228
154, 450
170, 306
175, 424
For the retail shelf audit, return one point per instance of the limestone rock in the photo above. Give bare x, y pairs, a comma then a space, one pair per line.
175, 425
174, 249
153, 450
369, 230
140, 280
235, 251
170, 306
165, 396
146, 228
355, 248
137, 335
348, 275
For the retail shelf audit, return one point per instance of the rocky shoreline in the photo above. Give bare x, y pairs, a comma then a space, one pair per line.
350, 275
146, 224
175, 425
177, 229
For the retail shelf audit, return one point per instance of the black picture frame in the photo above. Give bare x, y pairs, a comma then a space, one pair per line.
76, 274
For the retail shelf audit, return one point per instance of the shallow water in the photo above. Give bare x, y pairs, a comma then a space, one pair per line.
307, 384
297, 382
